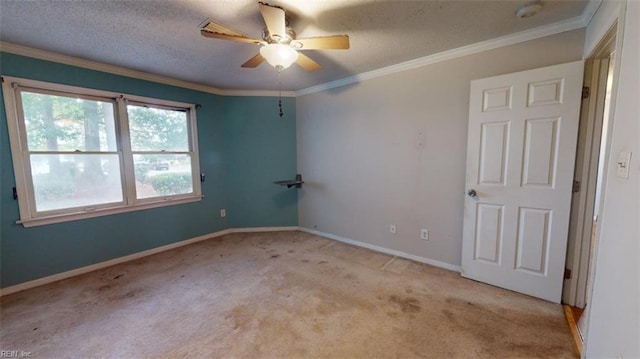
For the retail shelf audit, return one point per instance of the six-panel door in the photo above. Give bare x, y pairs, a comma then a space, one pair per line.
520, 157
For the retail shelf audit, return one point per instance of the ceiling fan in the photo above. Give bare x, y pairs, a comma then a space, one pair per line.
279, 45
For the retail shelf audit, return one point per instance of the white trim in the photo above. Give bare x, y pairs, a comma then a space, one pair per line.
511, 39
600, 23
75, 90
117, 70
264, 229
13, 124
506, 40
590, 10
380, 249
93, 267
67, 217
257, 93
604, 216
29, 216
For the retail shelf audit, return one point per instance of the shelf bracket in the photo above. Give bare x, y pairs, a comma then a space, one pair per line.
290, 183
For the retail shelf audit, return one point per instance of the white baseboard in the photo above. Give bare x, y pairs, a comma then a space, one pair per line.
93, 267
263, 229
90, 268
380, 249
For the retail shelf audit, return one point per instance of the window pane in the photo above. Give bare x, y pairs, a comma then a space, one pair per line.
60, 123
154, 129
66, 181
162, 175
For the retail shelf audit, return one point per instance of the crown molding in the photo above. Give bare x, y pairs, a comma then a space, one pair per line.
122, 71
511, 39
257, 93
590, 10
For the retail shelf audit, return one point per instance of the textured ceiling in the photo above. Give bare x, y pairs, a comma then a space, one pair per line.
162, 36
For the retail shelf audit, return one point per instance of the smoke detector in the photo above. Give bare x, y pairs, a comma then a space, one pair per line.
529, 9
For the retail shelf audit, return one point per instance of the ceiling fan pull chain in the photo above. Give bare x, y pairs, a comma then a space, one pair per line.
280, 95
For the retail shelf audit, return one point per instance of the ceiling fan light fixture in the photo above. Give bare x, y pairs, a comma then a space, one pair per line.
529, 9
279, 56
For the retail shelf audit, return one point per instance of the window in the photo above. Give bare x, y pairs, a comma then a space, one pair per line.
82, 153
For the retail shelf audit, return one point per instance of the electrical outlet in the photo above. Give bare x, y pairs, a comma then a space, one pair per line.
392, 228
223, 213
424, 234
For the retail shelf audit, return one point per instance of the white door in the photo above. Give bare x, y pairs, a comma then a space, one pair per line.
520, 156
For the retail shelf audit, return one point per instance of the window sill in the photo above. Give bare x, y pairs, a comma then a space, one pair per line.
67, 217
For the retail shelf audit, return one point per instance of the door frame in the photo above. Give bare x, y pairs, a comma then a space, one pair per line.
579, 247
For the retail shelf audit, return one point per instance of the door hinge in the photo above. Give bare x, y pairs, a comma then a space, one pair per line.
586, 92
567, 273
576, 186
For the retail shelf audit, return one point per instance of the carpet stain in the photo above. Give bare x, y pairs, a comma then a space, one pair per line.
317, 328
494, 327
228, 297
406, 304
240, 317
124, 296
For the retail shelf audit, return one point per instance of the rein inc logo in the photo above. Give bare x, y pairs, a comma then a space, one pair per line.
15, 354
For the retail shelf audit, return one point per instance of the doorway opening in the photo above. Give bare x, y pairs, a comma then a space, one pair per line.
589, 179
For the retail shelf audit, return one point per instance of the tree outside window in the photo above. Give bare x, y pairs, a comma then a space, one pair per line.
79, 150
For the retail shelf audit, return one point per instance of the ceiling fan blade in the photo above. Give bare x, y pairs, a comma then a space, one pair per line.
212, 26
306, 63
254, 61
322, 42
217, 35
274, 19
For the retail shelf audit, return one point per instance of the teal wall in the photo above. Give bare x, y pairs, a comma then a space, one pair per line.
256, 160
243, 145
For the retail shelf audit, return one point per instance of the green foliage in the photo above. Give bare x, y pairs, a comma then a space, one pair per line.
154, 129
141, 170
171, 183
70, 123
41, 112
53, 187
65, 123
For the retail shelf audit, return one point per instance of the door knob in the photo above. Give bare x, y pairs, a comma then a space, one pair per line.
472, 193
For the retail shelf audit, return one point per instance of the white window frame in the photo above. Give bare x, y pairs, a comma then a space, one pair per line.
29, 216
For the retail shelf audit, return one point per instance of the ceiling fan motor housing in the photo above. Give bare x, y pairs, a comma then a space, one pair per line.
279, 45
276, 39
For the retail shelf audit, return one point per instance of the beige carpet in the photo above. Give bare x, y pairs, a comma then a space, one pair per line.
281, 294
